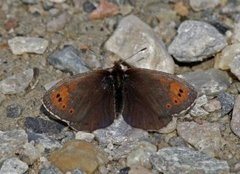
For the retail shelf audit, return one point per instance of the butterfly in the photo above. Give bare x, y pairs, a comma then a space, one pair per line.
146, 99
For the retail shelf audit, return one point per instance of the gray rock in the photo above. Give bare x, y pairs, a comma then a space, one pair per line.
20, 45
209, 82
16, 83
235, 66
133, 35
12, 142
198, 5
185, 161
235, 122
227, 102
14, 110
196, 41
59, 22
68, 59
205, 137
13, 166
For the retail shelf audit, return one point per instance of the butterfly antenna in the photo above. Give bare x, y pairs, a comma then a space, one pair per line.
123, 60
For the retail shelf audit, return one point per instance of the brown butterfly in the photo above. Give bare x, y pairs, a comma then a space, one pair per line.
146, 98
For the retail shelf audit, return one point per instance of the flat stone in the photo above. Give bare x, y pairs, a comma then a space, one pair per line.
131, 36
76, 155
11, 142
205, 137
184, 160
20, 45
209, 82
68, 59
235, 121
196, 41
13, 166
16, 83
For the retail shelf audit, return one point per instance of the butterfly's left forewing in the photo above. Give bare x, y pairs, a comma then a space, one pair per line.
84, 101
151, 98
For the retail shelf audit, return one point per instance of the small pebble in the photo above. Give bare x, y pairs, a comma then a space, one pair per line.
30, 2
209, 82
88, 6
235, 121
68, 59
141, 154
223, 60
205, 137
212, 105
12, 141
76, 155
13, 166
172, 160
16, 83
198, 5
227, 102
235, 66
39, 125
88, 137
58, 23
14, 110
196, 41
43, 140
20, 45
197, 110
